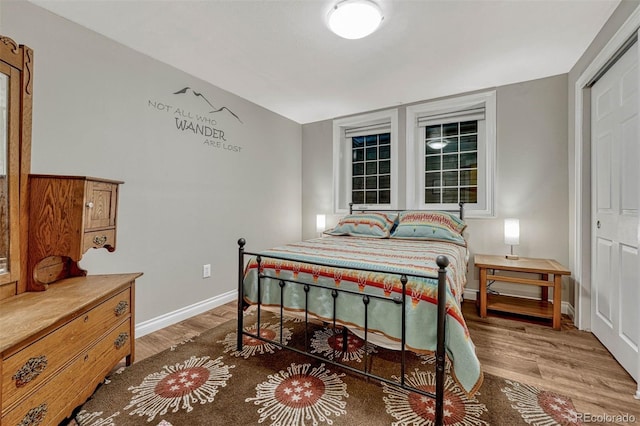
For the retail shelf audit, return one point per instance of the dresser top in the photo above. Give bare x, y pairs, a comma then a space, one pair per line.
95, 179
31, 314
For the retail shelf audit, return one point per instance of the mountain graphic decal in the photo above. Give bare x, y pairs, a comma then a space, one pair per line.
200, 95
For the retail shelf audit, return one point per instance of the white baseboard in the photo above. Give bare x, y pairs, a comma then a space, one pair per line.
566, 307
181, 314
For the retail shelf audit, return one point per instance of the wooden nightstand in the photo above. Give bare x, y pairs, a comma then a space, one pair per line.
545, 268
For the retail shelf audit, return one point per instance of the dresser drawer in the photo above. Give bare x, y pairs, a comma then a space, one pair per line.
24, 370
50, 404
99, 239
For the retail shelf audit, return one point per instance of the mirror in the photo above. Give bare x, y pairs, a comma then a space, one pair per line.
16, 100
4, 188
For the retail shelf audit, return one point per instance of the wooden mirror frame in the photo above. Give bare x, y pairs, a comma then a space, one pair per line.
19, 59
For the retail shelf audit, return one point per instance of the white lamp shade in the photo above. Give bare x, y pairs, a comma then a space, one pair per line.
353, 19
321, 222
512, 232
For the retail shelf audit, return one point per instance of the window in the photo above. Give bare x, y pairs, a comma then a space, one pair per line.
365, 161
371, 169
451, 162
451, 154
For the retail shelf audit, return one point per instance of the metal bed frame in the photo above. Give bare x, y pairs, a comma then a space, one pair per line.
441, 261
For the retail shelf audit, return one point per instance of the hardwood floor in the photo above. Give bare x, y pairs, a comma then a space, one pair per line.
570, 362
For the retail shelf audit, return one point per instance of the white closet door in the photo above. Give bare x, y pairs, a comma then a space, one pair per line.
614, 150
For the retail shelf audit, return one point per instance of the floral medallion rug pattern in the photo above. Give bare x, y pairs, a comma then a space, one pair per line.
206, 381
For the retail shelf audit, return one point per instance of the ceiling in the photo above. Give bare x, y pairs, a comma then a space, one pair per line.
280, 54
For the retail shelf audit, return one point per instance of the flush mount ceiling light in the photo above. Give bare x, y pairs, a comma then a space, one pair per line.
355, 19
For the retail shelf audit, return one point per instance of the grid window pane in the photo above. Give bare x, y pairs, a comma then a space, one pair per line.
357, 197
384, 138
450, 178
384, 182
358, 183
358, 169
450, 162
432, 179
372, 182
385, 152
434, 131
469, 195
450, 129
385, 197
385, 167
452, 145
358, 155
357, 142
450, 195
469, 177
468, 127
432, 195
371, 197
469, 160
469, 143
371, 168
451, 173
371, 140
430, 149
372, 153
433, 163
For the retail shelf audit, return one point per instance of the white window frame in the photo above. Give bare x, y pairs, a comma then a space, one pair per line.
342, 155
485, 207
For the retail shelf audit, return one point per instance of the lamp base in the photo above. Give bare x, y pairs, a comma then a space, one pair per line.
512, 256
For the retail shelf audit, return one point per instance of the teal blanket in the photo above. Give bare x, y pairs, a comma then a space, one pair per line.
373, 267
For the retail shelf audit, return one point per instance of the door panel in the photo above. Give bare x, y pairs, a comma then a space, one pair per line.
603, 294
629, 329
615, 199
603, 169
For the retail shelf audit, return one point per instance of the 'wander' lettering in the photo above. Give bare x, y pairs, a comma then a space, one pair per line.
199, 129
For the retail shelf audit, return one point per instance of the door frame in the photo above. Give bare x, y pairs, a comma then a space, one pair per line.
580, 211
580, 228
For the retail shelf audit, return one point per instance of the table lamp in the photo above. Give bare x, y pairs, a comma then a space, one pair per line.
512, 235
321, 223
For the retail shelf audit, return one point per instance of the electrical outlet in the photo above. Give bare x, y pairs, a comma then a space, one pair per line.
206, 271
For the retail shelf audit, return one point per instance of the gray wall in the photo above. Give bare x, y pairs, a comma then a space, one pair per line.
184, 203
531, 175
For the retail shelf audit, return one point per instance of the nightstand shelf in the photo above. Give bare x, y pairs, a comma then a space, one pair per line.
549, 274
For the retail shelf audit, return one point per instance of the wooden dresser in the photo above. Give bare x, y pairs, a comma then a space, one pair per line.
58, 345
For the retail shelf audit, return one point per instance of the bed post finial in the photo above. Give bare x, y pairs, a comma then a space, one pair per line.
351, 207
461, 204
442, 261
242, 242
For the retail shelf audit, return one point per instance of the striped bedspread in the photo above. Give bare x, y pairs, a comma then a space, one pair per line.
369, 266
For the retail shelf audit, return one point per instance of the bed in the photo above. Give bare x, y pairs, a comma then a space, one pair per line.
395, 279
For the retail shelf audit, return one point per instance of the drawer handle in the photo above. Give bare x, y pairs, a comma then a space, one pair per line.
35, 416
90, 204
30, 370
121, 308
99, 240
121, 340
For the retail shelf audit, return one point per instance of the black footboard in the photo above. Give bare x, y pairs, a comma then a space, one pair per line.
442, 262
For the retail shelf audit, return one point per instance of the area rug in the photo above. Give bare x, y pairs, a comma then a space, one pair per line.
206, 381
